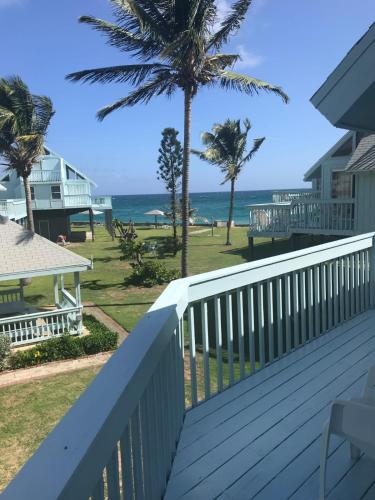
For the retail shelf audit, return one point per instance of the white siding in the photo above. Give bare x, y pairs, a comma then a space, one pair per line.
365, 198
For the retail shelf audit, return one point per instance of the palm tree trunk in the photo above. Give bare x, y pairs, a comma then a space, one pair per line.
230, 215
29, 208
173, 209
185, 182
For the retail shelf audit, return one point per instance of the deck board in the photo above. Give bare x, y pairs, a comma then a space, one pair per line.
261, 438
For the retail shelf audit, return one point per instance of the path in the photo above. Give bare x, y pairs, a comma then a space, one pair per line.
200, 231
100, 315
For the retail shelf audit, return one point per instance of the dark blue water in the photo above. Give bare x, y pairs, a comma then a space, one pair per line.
210, 206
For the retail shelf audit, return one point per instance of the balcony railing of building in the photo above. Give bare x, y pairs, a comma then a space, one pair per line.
102, 202
45, 176
289, 196
66, 201
201, 336
13, 209
334, 217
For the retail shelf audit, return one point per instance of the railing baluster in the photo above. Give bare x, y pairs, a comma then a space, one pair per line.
342, 289
279, 295
98, 493
323, 296
310, 302
352, 285
288, 334
363, 280
302, 280
296, 310
347, 288
271, 346
262, 356
330, 303
113, 476
367, 279
251, 318
357, 283
137, 455
219, 344
228, 306
241, 333
127, 472
317, 300
192, 353
206, 350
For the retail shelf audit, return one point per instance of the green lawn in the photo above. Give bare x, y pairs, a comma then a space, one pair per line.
31, 410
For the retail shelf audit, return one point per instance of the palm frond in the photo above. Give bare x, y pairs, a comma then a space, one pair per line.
230, 24
162, 84
147, 17
229, 80
133, 73
256, 145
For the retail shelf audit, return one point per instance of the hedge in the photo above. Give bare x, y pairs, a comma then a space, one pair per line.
101, 339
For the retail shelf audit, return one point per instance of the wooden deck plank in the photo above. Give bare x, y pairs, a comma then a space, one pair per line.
259, 437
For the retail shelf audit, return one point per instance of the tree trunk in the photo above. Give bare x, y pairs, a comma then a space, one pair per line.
185, 182
230, 215
173, 209
29, 208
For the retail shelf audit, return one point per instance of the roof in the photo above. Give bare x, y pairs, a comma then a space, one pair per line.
310, 172
25, 254
363, 158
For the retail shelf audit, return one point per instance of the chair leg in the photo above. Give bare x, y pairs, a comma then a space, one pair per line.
323, 460
355, 452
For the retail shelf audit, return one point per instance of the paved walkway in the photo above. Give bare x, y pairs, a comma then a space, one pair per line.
91, 308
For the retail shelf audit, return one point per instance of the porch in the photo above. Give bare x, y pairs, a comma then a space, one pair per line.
222, 388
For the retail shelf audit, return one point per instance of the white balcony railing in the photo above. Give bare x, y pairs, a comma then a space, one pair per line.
11, 300
288, 196
13, 209
45, 176
66, 201
202, 335
102, 202
39, 326
271, 218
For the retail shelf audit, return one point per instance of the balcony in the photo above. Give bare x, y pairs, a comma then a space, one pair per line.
45, 176
223, 387
67, 201
13, 209
102, 202
289, 196
302, 215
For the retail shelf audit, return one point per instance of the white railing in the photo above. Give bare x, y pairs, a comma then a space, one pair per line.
47, 176
77, 200
269, 218
39, 326
286, 196
119, 439
332, 217
13, 209
102, 201
67, 299
11, 300
66, 201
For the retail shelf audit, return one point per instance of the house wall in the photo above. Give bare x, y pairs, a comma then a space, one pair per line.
365, 202
328, 166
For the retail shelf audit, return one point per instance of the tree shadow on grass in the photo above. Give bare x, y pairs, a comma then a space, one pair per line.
120, 305
34, 299
98, 285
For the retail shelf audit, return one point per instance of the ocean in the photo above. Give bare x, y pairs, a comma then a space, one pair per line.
210, 206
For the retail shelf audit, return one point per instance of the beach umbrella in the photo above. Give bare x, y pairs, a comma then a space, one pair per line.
155, 213
2, 188
94, 212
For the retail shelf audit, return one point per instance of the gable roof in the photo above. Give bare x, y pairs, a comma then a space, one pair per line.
49, 153
309, 174
363, 158
25, 254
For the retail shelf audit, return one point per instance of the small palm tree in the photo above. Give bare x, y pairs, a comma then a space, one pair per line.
177, 44
24, 120
226, 148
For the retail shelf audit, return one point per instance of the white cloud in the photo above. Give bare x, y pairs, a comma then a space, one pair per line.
248, 59
10, 3
223, 9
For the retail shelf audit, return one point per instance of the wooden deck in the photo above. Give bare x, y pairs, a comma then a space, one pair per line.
261, 438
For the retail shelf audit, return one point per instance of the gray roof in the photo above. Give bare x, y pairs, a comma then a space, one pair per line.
25, 254
363, 158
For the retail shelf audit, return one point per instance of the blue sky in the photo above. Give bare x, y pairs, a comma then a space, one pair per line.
291, 43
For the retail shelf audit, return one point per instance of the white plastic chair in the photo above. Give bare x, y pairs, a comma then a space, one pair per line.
353, 420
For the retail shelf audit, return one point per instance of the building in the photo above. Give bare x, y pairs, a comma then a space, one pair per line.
58, 190
341, 200
28, 255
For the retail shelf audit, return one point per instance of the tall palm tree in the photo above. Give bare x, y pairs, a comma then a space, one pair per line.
226, 148
177, 44
24, 120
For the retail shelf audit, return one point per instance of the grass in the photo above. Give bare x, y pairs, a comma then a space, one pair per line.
30, 411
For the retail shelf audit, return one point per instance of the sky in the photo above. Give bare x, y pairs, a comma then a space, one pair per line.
291, 43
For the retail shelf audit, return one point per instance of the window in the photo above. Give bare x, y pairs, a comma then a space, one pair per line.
55, 192
32, 192
342, 185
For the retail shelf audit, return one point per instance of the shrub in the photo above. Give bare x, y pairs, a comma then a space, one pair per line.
169, 246
132, 250
4, 350
101, 339
151, 273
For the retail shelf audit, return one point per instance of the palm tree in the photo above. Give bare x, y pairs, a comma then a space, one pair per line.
177, 45
24, 120
226, 148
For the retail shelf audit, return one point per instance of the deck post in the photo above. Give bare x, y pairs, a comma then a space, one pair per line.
56, 289
372, 274
78, 302
62, 282
91, 215
251, 246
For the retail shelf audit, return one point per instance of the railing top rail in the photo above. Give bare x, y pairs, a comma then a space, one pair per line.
36, 315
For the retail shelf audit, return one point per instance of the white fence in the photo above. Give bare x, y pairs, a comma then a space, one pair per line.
13, 209
268, 219
39, 326
119, 439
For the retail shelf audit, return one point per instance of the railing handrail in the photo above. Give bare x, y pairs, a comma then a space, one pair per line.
36, 315
92, 427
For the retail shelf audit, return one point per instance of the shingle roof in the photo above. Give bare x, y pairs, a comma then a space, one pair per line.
363, 158
25, 254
